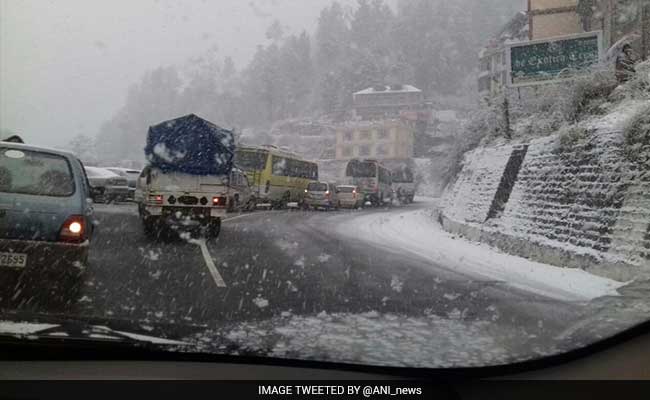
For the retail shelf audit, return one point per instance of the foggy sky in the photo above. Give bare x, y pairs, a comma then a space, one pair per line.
65, 65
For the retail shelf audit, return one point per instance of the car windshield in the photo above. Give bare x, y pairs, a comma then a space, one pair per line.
392, 183
317, 187
34, 173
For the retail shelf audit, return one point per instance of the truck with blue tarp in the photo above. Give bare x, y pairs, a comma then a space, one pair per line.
187, 182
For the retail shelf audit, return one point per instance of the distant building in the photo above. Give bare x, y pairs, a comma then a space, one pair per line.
386, 102
312, 139
617, 19
382, 140
492, 58
551, 18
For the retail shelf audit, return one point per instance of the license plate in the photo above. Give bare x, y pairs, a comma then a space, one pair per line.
13, 260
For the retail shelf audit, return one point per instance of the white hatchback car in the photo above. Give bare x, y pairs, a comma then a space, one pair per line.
349, 196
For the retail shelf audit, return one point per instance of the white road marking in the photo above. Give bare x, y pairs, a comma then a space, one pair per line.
218, 280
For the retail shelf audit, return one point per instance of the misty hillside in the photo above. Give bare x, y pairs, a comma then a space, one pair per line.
432, 44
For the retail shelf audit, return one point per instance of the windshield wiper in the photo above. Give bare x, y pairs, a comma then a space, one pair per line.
35, 327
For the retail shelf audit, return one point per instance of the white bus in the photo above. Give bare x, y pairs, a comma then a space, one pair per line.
373, 179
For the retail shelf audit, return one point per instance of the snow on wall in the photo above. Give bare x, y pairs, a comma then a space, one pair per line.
470, 197
579, 195
572, 197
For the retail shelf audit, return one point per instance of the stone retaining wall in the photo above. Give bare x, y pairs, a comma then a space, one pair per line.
575, 201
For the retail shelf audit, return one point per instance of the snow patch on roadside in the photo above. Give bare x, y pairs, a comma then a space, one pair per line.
416, 232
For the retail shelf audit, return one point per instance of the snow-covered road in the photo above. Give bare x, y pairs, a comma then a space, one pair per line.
416, 231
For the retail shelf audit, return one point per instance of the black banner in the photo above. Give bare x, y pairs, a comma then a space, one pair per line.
343, 390
240, 390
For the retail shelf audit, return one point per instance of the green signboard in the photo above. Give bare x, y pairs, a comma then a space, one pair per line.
544, 61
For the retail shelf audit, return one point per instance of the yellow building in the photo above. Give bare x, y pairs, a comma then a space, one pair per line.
550, 18
382, 140
617, 19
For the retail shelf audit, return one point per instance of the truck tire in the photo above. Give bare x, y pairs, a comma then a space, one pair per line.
252, 204
285, 200
214, 229
234, 204
150, 227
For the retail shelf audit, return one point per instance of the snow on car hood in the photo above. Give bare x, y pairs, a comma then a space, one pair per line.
371, 339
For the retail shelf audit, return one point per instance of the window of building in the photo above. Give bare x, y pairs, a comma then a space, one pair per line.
382, 134
348, 136
364, 151
364, 135
484, 84
382, 150
347, 152
485, 64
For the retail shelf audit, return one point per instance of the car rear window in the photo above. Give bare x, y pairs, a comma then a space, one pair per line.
100, 173
346, 189
35, 173
317, 187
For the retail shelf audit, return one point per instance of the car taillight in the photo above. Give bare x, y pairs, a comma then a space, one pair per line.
218, 201
157, 198
327, 194
73, 229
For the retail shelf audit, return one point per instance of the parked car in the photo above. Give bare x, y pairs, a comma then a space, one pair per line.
349, 196
321, 195
45, 219
131, 176
404, 184
107, 186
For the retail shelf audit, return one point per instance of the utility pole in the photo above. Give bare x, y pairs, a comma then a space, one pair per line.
645, 29
506, 115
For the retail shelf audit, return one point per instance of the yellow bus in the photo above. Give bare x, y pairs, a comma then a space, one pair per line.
276, 176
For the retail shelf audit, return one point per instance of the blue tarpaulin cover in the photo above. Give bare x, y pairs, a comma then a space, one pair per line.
190, 145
